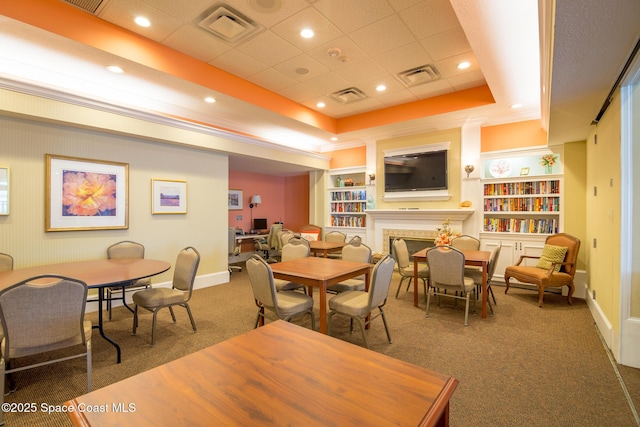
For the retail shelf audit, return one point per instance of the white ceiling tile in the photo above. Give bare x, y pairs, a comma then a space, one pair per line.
197, 43
348, 49
383, 36
435, 88
184, 11
300, 92
268, 19
273, 79
123, 13
350, 15
328, 83
290, 28
404, 58
268, 48
448, 67
361, 71
447, 43
238, 63
467, 80
430, 17
291, 68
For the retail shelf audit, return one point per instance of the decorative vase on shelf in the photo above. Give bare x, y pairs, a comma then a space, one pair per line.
338, 182
548, 169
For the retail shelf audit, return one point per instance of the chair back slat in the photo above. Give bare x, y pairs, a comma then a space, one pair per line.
186, 267
125, 249
401, 253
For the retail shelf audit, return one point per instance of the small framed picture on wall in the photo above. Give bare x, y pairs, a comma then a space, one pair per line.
235, 200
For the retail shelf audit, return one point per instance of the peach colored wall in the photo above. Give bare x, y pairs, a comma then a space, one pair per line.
347, 158
270, 188
511, 136
296, 191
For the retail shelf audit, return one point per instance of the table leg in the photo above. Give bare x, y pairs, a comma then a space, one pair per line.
323, 309
415, 282
101, 292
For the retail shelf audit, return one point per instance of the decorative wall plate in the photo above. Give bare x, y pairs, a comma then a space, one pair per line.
500, 169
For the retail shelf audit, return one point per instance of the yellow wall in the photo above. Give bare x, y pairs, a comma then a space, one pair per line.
575, 189
453, 161
603, 213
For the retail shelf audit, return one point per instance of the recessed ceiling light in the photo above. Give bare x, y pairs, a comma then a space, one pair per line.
381, 88
464, 65
114, 69
321, 104
307, 33
142, 21
514, 106
210, 99
334, 138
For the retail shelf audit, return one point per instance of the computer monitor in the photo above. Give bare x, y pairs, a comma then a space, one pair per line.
260, 224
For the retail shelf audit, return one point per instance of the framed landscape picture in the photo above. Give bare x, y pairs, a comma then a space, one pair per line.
168, 196
235, 200
85, 194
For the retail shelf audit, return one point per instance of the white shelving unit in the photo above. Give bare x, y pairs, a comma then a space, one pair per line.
347, 204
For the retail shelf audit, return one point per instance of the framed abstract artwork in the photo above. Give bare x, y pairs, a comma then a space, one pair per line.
235, 200
85, 194
168, 196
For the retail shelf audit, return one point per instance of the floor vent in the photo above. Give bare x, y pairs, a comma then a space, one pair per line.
418, 75
346, 96
229, 24
90, 6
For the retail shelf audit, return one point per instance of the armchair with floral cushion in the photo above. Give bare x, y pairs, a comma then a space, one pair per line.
556, 266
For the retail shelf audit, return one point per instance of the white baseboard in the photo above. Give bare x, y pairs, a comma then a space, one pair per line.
602, 323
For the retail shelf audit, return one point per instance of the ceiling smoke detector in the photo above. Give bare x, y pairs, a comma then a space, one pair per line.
229, 24
334, 52
418, 75
346, 96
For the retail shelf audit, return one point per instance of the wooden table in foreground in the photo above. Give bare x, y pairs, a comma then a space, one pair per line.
475, 258
323, 247
97, 274
279, 374
319, 273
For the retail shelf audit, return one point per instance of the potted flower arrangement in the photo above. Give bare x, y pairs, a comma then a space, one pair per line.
445, 233
548, 160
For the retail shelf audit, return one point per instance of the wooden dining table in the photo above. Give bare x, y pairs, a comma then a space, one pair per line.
319, 272
280, 374
472, 258
97, 274
324, 248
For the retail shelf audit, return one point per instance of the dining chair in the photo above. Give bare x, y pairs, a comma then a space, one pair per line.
355, 239
296, 248
476, 275
335, 236
284, 304
446, 267
155, 299
285, 237
6, 262
120, 250
354, 252
271, 243
42, 314
465, 242
358, 305
555, 267
233, 249
311, 232
400, 253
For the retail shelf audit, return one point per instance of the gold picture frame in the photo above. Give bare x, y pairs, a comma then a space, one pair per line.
85, 194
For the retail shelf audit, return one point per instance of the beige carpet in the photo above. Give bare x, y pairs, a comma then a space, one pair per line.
524, 366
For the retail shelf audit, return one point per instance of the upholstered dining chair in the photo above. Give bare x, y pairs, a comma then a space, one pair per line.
446, 267
6, 262
556, 266
155, 299
311, 232
358, 305
405, 266
297, 247
476, 275
125, 249
285, 304
355, 239
285, 237
42, 314
354, 252
335, 236
465, 242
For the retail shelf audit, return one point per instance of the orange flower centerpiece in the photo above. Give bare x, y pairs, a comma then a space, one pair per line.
445, 233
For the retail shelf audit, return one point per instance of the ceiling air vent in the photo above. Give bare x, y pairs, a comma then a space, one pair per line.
89, 5
229, 24
418, 75
345, 96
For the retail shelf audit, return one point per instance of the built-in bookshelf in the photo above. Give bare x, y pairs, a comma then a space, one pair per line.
347, 193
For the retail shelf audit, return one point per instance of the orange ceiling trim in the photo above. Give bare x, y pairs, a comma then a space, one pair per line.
469, 98
73, 23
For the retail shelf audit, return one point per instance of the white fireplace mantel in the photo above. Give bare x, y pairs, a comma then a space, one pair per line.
410, 219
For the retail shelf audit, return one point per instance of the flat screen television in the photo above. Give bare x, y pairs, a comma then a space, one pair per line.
416, 172
260, 224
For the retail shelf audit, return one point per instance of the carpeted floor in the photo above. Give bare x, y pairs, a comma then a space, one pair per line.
522, 366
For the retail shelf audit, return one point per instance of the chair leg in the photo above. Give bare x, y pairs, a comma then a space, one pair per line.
466, 310
153, 327
135, 319
193, 323
173, 316
364, 336
506, 281
492, 295
424, 284
89, 375
428, 301
386, 327
399, 286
